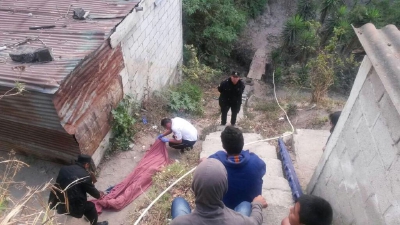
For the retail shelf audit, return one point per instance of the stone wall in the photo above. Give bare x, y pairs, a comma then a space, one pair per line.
152, 44
359, 170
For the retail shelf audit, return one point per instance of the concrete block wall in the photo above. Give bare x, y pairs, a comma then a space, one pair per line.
359, 171
152, 46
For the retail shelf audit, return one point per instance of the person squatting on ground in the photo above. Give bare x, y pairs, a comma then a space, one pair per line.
210, 183
231, 91
75, 203
184, 133
309, 210
245, 169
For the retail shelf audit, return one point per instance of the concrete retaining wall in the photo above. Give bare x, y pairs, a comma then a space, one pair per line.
359, 170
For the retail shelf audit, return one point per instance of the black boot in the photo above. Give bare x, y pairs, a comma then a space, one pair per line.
103, 223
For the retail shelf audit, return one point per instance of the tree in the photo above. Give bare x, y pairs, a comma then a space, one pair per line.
212, 27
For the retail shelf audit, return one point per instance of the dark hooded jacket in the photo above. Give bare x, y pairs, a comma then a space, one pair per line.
231, 94
210, 184
76, 193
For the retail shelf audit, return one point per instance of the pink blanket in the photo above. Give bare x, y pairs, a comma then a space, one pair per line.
137, 181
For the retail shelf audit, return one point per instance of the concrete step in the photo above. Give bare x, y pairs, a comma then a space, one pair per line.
279, 203
308, 145
264, 150
274, 168
275, 183
274, 214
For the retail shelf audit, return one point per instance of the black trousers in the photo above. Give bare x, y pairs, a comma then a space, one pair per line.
183, 144
235, 108
90, 213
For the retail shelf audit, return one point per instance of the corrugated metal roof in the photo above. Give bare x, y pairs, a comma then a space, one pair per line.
71, 40
383, 49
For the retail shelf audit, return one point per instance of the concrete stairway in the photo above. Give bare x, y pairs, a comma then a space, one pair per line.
276, 189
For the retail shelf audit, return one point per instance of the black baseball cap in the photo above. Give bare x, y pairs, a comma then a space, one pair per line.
235, 74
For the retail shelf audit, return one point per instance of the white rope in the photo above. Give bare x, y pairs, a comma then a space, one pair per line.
268, 139
162, 193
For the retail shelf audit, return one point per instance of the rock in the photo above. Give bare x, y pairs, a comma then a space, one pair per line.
79, 14
26, 54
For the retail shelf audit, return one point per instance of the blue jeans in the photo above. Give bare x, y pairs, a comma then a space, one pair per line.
181, 207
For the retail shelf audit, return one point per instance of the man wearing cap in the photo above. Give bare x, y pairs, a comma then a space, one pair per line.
77, 182
231, 91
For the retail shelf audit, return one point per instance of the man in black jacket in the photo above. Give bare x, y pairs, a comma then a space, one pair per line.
231, 91
76, 180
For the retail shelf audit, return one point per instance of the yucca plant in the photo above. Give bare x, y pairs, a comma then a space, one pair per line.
293, 28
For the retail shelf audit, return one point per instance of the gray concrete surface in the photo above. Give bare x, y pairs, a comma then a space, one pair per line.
308, 145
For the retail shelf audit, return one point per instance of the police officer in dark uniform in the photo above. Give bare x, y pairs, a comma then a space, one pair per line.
74, 202
231, 91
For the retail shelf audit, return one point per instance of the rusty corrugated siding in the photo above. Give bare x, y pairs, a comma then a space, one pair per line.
71, 40
85, 99
29, 124
36, 109
383, 49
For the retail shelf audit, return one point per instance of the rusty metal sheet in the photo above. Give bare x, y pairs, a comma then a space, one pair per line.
70, 40
32, 108
383, 49
85, 99
33, 140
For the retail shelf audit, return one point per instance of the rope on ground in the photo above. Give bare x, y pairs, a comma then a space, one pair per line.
189, 172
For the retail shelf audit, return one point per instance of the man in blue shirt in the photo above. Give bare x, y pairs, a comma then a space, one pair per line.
245, 170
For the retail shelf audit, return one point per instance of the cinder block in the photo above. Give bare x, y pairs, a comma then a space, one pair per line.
377, 85
390, 116
394, 179
369, 107
384, 142
356, 203
392, 215
366, 143
372, 210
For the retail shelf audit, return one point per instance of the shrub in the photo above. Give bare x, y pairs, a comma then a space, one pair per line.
122, 125
187, 98
194, 69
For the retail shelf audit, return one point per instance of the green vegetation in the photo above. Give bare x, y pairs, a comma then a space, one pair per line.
193, 69
317, 43
186, 97
123, 120
212, 26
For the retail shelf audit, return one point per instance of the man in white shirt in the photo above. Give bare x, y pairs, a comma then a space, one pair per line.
184, 133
